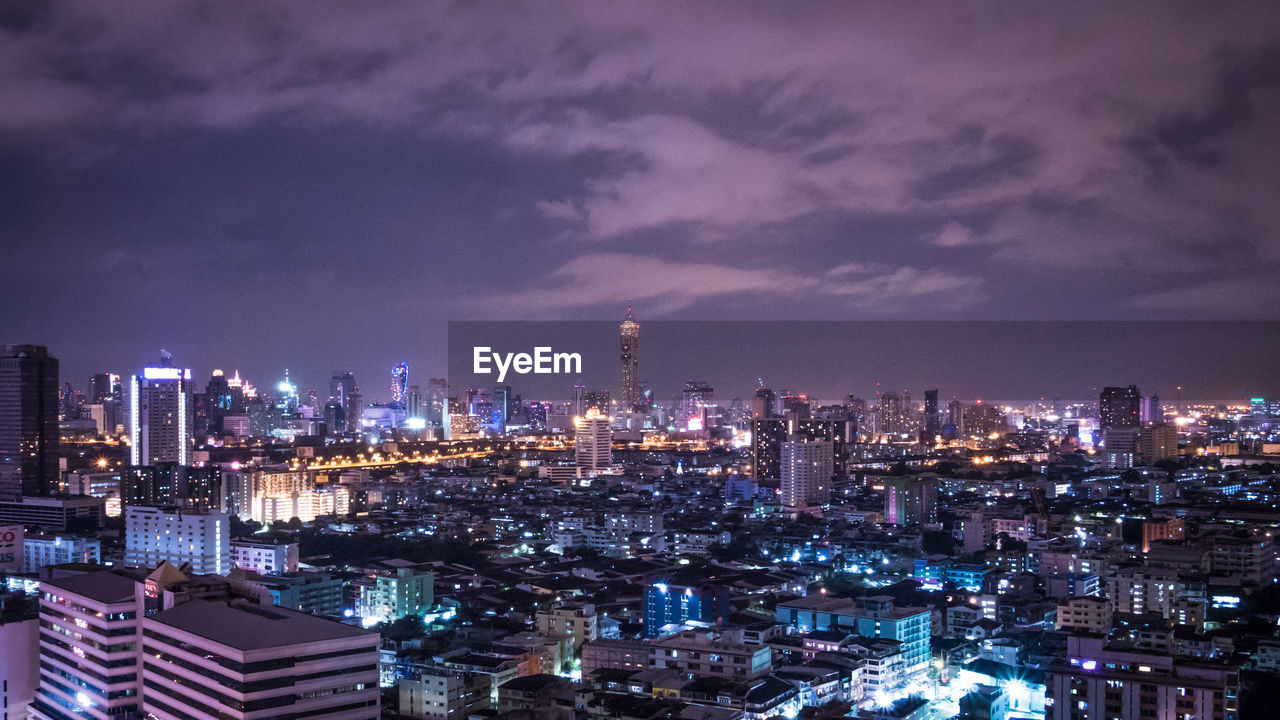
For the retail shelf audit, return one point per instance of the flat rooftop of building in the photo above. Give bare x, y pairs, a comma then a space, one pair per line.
101, 586
245, 626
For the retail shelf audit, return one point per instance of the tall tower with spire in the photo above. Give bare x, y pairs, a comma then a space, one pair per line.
629, 351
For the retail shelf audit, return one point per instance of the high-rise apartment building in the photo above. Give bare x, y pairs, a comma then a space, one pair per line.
911, 500
28, 421
629, 353
160, 415
806, 469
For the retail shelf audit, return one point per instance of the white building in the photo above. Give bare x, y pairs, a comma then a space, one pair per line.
90, 625
264, 558
593, 443
155, 534
806, 469
41, 550
102, 658
160, 416
235, 659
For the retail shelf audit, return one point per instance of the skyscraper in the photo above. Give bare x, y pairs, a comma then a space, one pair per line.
343, 390
592, 444
890, 414
932, 420
160, 415
629, 351
1119, 407
28, 421
400, 385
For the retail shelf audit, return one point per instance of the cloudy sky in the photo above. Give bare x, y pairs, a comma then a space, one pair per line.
324, 185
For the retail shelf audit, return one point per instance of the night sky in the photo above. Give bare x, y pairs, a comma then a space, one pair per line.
322, 185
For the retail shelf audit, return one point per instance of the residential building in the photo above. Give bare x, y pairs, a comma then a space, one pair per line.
202, 540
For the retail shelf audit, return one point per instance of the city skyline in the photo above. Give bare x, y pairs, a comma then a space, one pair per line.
1094, 355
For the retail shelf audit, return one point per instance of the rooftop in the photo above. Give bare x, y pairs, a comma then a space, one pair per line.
244, 626
100, 586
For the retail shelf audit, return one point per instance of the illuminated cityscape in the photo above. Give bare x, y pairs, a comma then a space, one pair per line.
958, 396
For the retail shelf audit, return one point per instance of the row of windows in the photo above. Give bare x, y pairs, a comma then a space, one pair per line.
254, 685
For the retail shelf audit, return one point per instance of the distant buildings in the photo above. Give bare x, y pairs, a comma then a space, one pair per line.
28, 421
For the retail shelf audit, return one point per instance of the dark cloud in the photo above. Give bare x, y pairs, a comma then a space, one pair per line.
1194, 136
983, 163
302, 177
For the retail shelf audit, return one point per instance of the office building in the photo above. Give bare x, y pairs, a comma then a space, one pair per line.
343, 391
1120, 407
182, 646
932, 418
89, 645
75, 513
667, 604
160, 415
154, 534
807, 467
240, 658
629, 354
695, 396
28, 421
593, 449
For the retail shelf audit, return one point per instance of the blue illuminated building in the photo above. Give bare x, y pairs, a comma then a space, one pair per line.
677, 604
